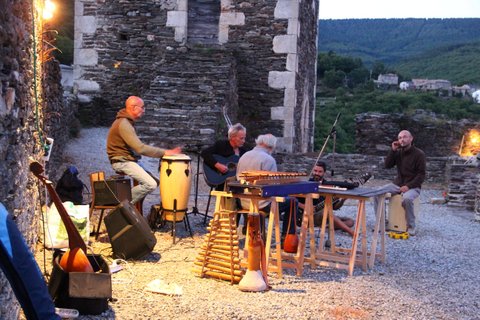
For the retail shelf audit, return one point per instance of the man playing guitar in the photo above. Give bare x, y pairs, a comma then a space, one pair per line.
221, 158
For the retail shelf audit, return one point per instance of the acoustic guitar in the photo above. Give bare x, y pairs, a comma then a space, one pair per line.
215, 177
75, 259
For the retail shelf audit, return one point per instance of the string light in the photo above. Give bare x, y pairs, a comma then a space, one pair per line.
48, 9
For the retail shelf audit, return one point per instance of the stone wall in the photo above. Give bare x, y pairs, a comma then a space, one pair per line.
464, 179
354, 165
122, 48
435, 135
188, 110
22, 122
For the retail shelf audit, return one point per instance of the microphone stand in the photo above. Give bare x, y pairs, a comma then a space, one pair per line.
333, 133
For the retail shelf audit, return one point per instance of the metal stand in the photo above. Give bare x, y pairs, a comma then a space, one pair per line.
174, 222
195, 210
333, 134
197, 174
208, 206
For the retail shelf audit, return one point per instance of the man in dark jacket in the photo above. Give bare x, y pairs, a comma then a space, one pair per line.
222, 153
411, 166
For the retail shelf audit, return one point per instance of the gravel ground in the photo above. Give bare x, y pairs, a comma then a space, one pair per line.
433, 275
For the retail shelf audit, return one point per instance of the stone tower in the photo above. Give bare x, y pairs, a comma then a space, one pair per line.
193, 61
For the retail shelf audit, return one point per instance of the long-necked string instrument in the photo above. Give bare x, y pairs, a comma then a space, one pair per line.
75, 259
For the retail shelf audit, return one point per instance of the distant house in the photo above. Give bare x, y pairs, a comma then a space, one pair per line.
386, 81
463, 90
388, 78
431, 85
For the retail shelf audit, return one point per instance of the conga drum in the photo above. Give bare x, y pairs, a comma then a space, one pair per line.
175, 182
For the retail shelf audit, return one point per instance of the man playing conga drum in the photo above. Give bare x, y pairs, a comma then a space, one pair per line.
124, 149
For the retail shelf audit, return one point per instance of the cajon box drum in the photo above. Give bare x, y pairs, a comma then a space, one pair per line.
397, 220
175, 183
129, 233
108, 191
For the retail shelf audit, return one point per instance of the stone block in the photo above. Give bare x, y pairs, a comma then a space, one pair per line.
286, 9
78, 8
177, 19
285, 44
86, 57
292, 62
83, 98
277, 113
225, 5
182, 5
86, 86
78, 41
281, 79
290, 98
232, 18
85, 24
293, 26
180, 34
223, 33
207, 131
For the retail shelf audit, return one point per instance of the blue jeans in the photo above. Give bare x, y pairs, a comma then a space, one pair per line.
407, 201
147, 183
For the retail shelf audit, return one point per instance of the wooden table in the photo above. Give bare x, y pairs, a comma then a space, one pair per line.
347, 258
277, 260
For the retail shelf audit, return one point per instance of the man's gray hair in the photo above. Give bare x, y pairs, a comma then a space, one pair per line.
234, 129
267, 140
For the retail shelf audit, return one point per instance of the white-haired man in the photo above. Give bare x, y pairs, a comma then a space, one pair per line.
260, 158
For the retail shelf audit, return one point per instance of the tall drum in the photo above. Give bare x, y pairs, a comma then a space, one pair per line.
175, 182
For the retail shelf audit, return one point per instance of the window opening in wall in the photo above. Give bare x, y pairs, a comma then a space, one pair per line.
203, 19
123, 35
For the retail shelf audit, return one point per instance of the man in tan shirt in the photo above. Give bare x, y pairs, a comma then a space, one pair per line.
124, 148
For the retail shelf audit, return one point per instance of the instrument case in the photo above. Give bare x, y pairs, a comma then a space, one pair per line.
84, 291
129, 233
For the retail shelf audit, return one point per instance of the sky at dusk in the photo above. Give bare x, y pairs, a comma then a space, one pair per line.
363, 9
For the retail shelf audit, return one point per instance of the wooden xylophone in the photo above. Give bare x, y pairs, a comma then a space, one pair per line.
272, 184
219, 256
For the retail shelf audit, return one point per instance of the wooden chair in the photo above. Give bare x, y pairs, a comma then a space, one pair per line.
97, 176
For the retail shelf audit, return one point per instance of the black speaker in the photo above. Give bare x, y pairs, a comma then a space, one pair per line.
111, 192
129, 233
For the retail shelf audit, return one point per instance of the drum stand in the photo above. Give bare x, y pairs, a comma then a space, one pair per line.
186, 222
195, 210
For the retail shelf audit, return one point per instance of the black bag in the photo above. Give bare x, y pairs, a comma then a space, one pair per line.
70, 187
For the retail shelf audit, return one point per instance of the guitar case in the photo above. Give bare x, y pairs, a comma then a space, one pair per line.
22, 271
129, 232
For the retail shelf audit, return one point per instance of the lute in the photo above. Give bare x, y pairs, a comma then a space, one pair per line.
75, 259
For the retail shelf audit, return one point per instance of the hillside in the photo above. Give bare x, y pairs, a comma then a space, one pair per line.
459, 64
393, 40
